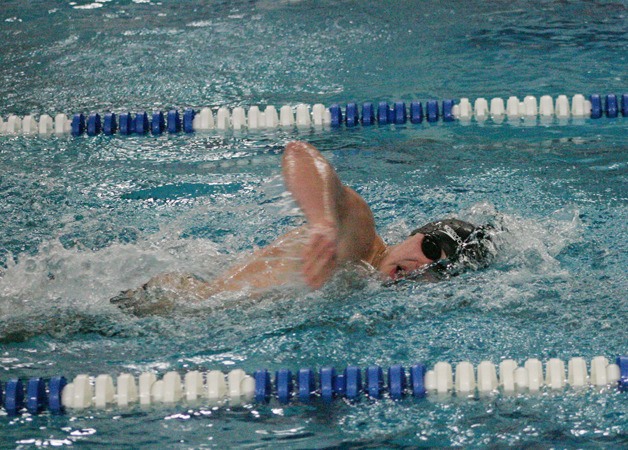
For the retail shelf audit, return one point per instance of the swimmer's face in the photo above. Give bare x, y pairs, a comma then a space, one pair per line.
406, 257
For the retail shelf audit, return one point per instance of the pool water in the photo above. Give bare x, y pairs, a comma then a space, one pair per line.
84, 218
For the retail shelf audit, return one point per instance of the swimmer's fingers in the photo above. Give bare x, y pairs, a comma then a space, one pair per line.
319, 260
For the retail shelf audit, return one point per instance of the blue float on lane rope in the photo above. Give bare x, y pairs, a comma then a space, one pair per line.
596, 106
327, 378
622, 362
448, 111
374, 381
336, 115
174, 121
78, 124
611, 109
432, 111
352, 117
262, 386
400, 114
141, 123
14, 396
125, 123
340, 384
111, 125
396, 382
416, 112
188, 120
353, 382
55, 388
368, 113
157, 123
36, 395
417, 380
306, 385
94, 125
284, 385
382, 113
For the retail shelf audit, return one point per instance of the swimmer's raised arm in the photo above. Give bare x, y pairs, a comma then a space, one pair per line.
313, 183
341, 224
340, 229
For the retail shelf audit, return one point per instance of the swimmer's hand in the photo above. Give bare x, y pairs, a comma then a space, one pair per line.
147, 300
320, 254
162, 293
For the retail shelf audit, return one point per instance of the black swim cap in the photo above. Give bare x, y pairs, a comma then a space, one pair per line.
456, 238
448, 235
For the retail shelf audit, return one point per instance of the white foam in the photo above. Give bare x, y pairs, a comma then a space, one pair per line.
61, 283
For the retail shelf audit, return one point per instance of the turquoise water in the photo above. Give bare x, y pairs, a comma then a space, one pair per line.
85, 218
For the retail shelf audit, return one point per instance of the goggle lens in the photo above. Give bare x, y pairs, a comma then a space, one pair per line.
431, 248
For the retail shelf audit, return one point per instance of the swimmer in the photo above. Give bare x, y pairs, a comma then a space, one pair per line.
339, 231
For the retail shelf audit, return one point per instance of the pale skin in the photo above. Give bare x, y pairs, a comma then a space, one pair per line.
340, 230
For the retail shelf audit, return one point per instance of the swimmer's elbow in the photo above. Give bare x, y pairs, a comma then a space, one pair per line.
293, 152
296, 147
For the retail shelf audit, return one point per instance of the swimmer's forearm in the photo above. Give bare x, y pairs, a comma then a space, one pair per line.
341, 226
313, 183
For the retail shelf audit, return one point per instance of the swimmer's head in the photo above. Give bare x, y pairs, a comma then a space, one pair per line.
449, 237
436, 249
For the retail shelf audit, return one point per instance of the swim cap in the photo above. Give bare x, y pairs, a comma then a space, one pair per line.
448, 235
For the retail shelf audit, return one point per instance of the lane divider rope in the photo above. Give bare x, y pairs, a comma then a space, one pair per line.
305, 386
514, 111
